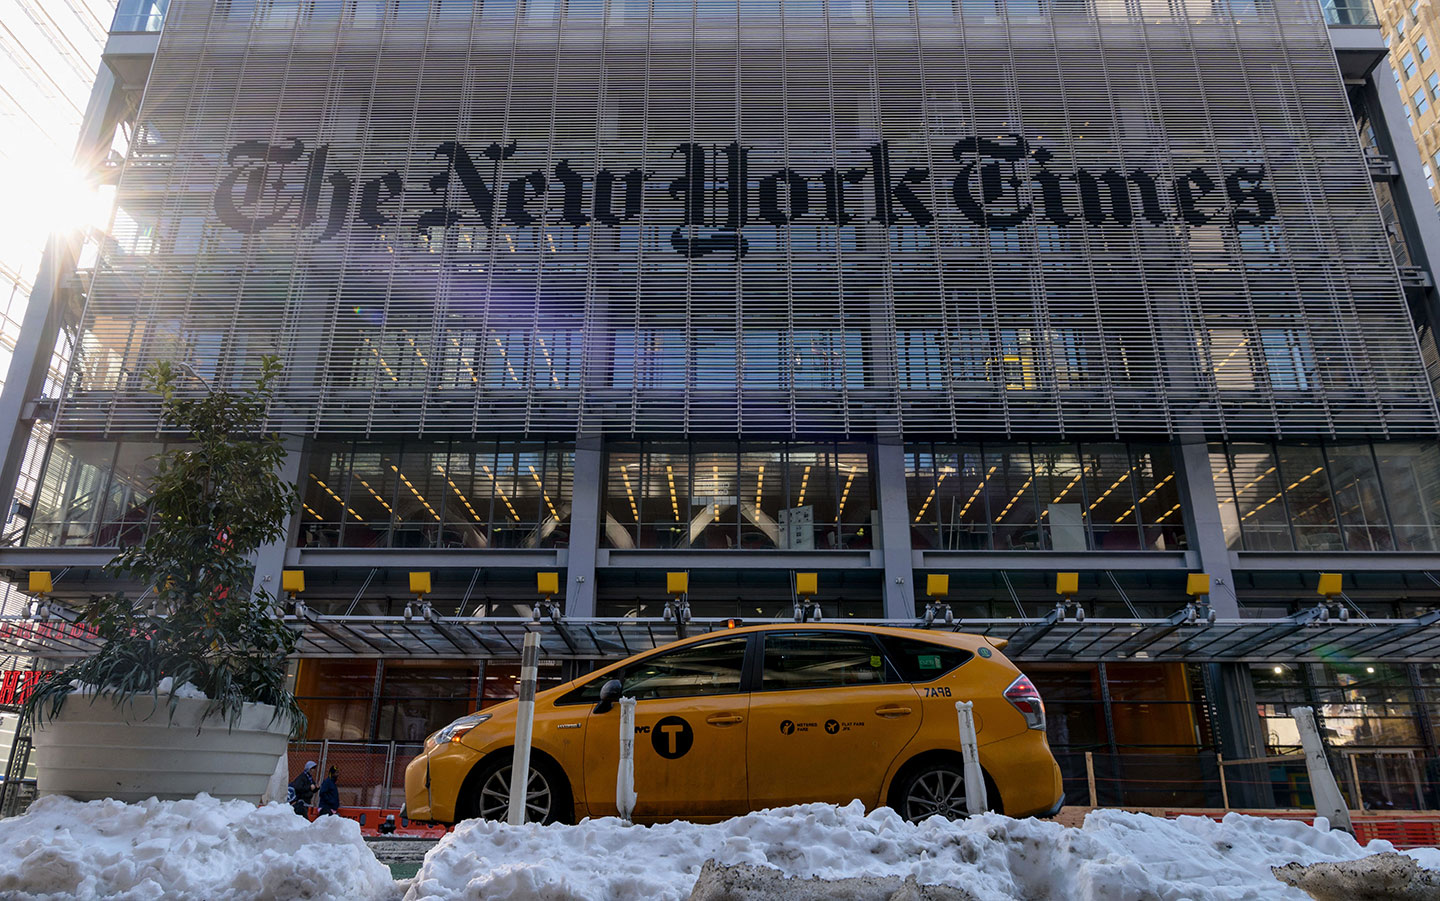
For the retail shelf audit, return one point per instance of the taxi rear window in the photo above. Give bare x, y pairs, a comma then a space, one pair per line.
921, 661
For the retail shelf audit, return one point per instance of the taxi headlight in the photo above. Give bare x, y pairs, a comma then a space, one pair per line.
456, 730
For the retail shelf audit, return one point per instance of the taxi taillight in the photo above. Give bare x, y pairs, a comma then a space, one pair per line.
1023, 697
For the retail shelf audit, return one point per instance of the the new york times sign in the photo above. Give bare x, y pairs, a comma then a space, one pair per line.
999, 184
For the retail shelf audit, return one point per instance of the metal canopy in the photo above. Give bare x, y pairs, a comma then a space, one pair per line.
1299, 639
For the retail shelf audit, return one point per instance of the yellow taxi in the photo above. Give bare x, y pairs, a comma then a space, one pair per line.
756, 717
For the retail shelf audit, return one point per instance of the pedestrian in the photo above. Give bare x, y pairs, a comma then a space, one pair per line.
302, 789
330, 793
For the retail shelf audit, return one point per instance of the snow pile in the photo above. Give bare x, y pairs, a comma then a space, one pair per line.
168, 687
199, 849
1115, 856
165, 687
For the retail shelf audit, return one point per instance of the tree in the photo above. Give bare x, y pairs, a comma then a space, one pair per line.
214, 501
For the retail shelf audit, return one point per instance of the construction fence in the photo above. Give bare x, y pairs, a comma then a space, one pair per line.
372, 775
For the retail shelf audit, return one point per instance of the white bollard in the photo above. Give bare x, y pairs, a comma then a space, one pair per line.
524, 729
625, 773
1329, 803
975, 801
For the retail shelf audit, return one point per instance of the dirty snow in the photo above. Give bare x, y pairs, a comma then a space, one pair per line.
209, 849
196, 849
1115, 856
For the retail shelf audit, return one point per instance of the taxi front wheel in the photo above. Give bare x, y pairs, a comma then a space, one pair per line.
932, 789
486, 794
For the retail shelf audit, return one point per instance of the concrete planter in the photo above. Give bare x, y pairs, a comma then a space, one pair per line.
135, 751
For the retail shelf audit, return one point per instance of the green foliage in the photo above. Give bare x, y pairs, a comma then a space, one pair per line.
214, 502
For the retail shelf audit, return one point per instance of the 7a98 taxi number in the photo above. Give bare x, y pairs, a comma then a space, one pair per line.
941, 692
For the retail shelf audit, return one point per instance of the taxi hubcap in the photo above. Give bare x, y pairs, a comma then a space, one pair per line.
936, 792
495, 796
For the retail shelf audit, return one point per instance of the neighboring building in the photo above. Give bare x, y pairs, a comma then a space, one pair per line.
872, 290
48, 56
1410, 32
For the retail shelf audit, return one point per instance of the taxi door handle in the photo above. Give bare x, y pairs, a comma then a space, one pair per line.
892, 711
724, 719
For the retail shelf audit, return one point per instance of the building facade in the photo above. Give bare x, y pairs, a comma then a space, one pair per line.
875, 290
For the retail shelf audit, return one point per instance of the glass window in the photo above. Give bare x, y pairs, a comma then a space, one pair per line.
1110, 492
1407, 62
336, 696
1058, 491
1014, 512
1400, 28
1422, 47
1418, 98
921, 661
1410, 474
1366, 705
92, 494
961, 503
722, 496
1357, 494
1220, 473
1429, 175
419, 696
371, 495
1074, 709
1307, 491
821, 660
1258, 504
1157, 511
709, 668
1433, 80
324, 495
1415, 10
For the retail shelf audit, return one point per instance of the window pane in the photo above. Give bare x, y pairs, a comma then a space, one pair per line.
1257, 498
326, 484
1109, 492
1225, 494
127, 502
922, 472
1158, 508
1307, 492
821, 660
67, 500
762, 491
712, 668
1411, 476
1357, 492
1061, 499
372, 496
714, 494
921, 661
1011, 490
960, 499
623, 486
418, 499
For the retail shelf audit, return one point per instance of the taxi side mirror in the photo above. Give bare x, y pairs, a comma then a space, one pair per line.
609, 694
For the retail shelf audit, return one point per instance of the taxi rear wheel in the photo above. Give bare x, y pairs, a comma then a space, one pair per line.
931, 789
486, 794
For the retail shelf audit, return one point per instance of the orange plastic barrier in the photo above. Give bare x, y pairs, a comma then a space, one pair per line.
371, 818
1422, 831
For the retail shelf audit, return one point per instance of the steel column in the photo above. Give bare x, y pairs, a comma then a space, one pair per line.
1204, 529
585, 513
894, 528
